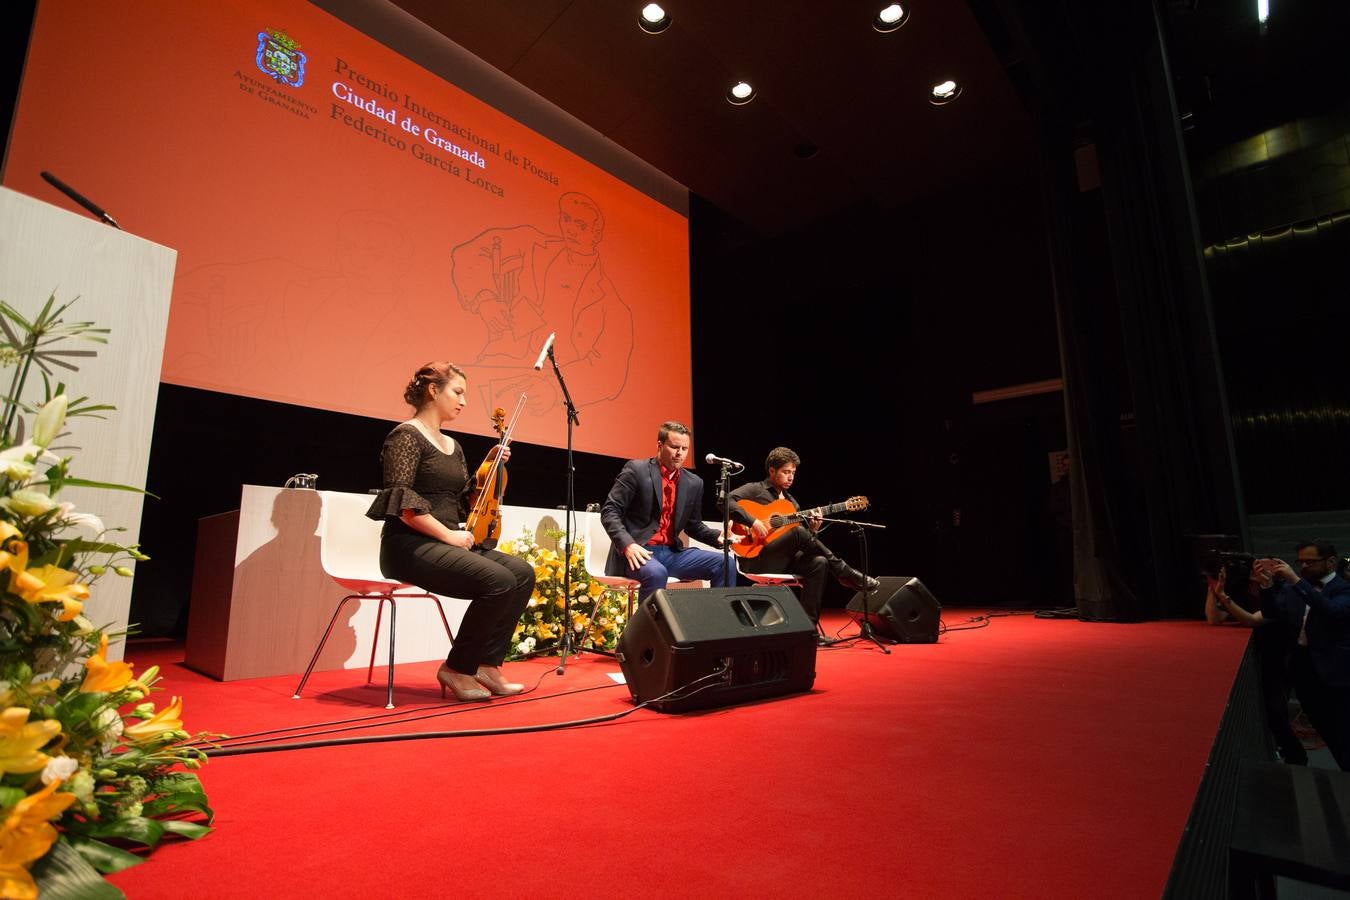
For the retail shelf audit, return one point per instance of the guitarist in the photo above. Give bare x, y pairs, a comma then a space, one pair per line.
797, 551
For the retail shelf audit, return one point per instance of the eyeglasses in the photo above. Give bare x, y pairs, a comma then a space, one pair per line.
1310, 561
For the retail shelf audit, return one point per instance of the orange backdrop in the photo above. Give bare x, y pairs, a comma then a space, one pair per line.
324, 251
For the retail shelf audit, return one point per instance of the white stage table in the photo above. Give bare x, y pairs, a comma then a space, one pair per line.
260, 598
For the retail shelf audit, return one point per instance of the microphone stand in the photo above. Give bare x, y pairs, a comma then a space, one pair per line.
565, 644
723, 491
865, 630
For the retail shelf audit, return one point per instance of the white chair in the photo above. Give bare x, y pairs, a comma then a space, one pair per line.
349, 551
597, 552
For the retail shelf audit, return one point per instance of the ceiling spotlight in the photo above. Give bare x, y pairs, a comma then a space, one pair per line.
891, 18
740, 94
944, 93
654, 19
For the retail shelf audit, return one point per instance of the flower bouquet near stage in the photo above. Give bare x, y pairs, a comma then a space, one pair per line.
541, 628
94, 771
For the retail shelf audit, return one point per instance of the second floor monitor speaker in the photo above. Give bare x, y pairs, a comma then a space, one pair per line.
901, 609
690, 649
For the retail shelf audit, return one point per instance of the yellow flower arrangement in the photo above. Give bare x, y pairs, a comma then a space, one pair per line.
543, 620
25, 837
84, 757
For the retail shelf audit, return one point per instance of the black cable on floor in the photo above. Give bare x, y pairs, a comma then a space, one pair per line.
477, 732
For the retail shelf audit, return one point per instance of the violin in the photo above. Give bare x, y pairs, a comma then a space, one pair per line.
485, 515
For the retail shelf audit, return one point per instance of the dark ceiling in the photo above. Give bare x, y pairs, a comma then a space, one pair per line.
826, 79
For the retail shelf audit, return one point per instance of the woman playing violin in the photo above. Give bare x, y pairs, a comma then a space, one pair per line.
424, 504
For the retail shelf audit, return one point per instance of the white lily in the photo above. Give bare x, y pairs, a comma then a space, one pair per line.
28, 502
83, 520
50, 419
29, 453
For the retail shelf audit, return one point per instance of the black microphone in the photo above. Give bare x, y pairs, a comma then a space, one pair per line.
80, 199
713, 460
543, 354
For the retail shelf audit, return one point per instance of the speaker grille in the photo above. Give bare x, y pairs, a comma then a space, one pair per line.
761, 667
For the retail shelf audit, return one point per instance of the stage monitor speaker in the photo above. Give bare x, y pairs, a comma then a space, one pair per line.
758, 639
901, 609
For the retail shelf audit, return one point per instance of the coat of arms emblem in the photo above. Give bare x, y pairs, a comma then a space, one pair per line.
279, 56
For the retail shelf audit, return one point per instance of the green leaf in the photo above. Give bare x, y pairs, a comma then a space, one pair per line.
180, 802
106, 485
104, 857
177, 782
13, 313
63, 874
137, 829
190, 830
9, 334
11, 795
79, 545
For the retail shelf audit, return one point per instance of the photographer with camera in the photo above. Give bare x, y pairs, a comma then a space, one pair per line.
1316, 602
1274, 642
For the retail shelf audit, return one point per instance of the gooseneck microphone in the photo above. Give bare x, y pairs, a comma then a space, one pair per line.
79, 198
713, 460
543, 354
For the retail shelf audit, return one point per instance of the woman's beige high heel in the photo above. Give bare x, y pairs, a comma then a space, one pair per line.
491, 678
443, 675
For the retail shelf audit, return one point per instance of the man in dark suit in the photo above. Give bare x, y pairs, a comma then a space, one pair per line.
1320, 665
654, 500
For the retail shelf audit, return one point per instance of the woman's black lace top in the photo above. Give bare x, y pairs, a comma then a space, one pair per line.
420, 477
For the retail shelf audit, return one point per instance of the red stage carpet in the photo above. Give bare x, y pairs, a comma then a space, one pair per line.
1032, 758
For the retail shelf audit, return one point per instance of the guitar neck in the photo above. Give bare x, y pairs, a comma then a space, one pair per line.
819, 511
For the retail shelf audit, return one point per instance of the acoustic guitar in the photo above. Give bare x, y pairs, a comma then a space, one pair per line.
782, 517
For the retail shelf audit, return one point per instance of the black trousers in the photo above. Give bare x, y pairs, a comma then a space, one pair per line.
497, 586
796, 552
1327, 706
1275, 698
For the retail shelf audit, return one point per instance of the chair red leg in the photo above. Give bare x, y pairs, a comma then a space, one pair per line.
375, 638
393, 615
323, 640
440, 607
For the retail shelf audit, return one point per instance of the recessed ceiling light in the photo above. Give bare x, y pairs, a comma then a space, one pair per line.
944, 93
740, 94
654, 19
891, 18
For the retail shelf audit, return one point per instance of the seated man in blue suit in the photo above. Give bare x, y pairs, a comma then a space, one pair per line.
652, 501
1320, 664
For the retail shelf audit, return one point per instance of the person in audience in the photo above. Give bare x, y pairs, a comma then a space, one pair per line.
425, 542
1274, 642
1316, 601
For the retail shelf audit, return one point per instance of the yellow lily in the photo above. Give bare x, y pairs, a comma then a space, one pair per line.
26, 836
20, 740
16, 558
51, 584
170, 718
103, 676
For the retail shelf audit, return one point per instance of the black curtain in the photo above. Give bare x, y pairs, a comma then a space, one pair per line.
1150, 436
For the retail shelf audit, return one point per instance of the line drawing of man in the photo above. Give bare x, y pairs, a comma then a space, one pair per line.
524, 283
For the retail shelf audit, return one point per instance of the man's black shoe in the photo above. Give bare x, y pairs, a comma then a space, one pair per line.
851, 578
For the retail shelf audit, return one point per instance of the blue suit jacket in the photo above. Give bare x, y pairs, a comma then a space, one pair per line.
1328, 623
632, 510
